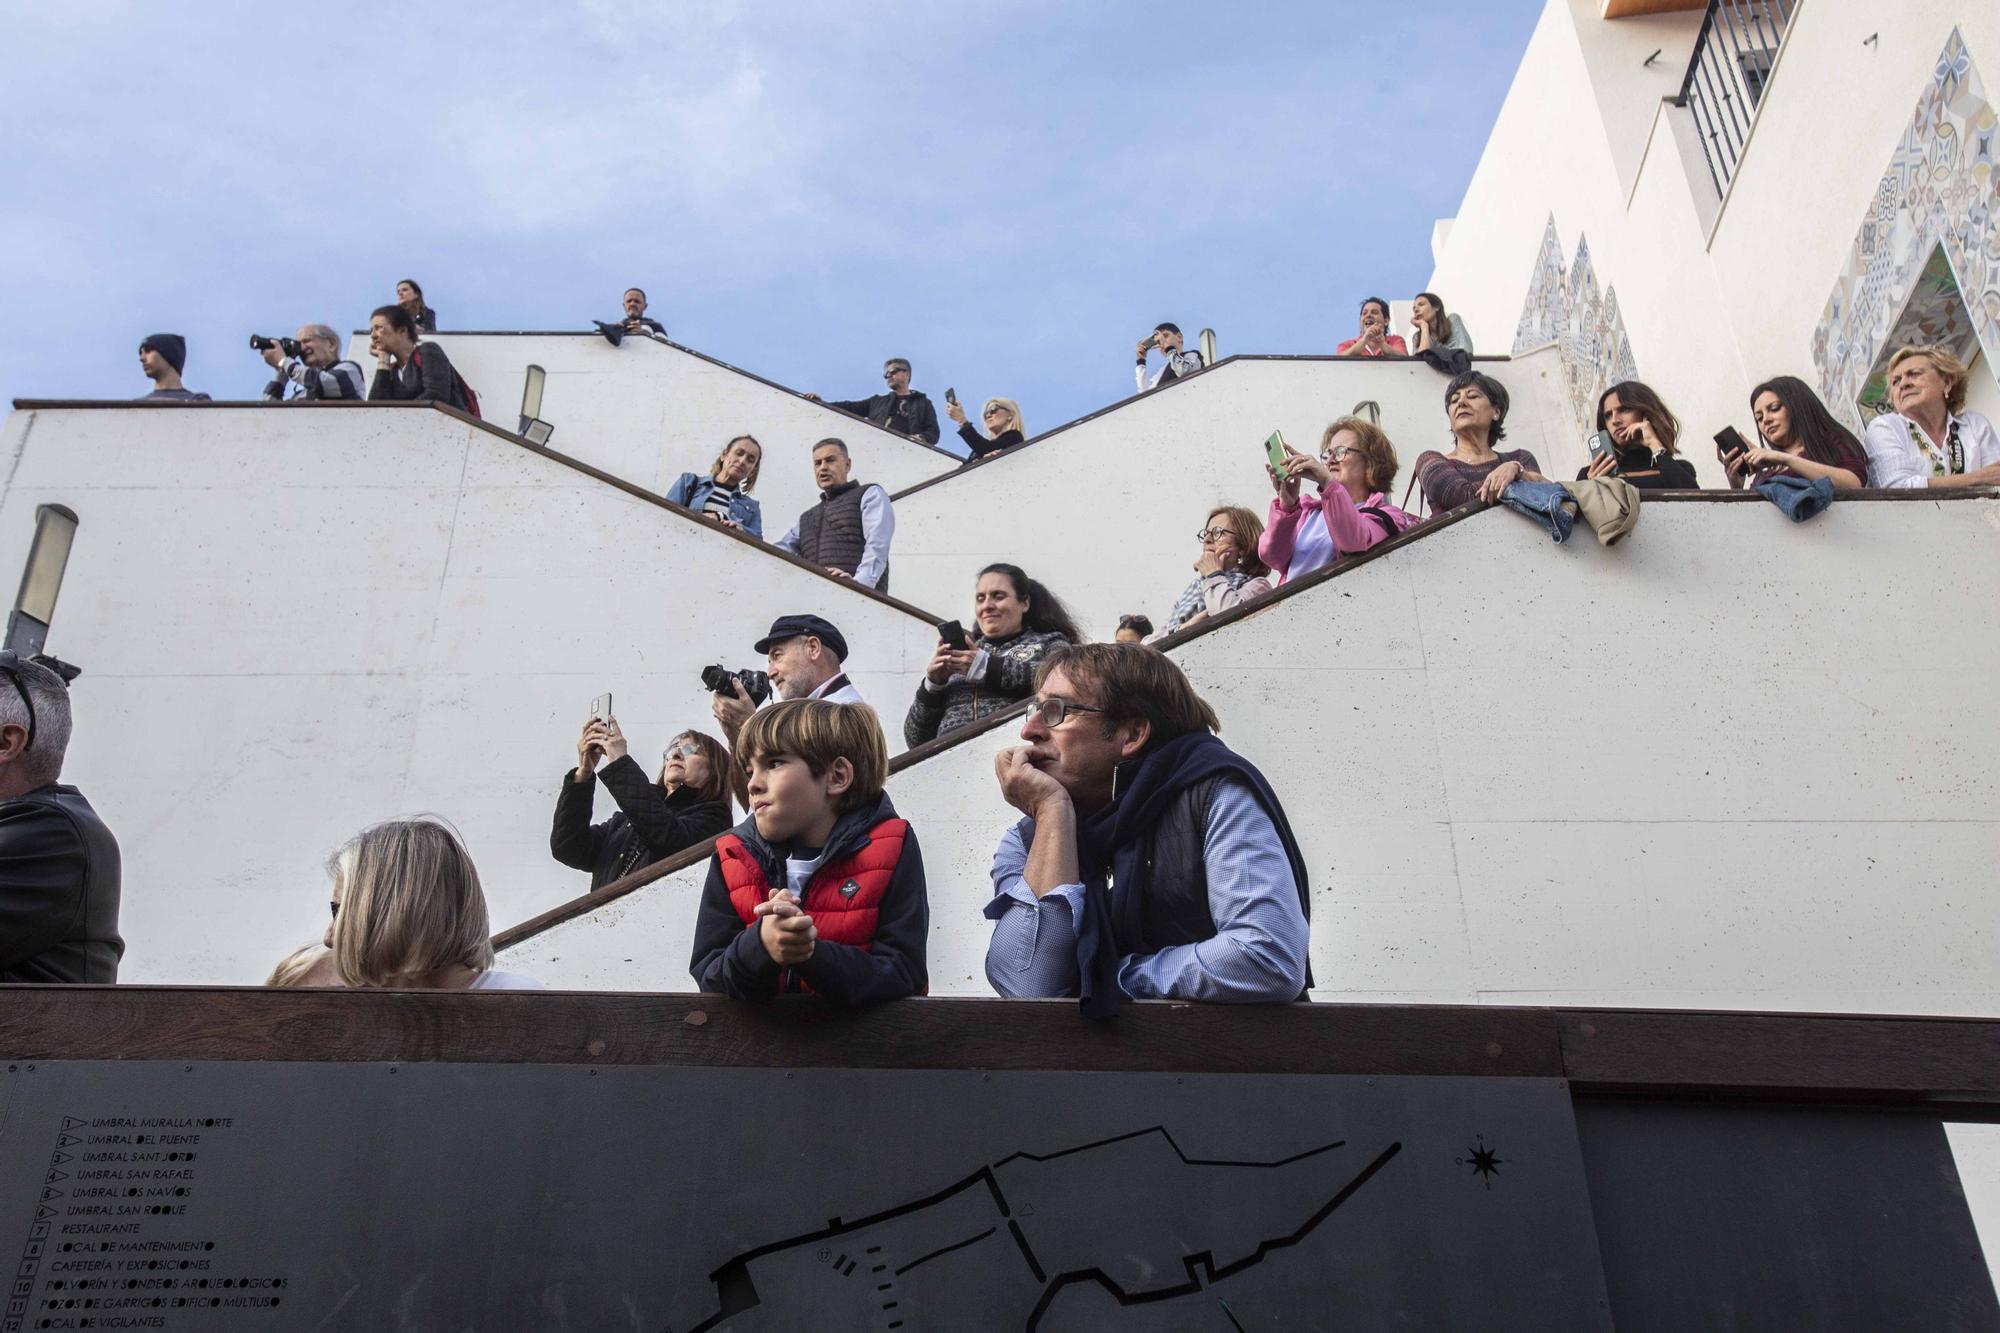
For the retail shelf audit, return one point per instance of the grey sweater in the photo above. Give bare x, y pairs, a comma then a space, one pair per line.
1010, 675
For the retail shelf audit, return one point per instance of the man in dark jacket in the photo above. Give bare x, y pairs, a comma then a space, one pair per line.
848, 532
901, 409
409, 371
1154, 862
58, 862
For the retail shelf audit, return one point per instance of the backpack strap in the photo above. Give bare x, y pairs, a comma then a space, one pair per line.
1380, 515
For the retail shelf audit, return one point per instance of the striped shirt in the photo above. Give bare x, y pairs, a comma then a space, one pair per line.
716, 506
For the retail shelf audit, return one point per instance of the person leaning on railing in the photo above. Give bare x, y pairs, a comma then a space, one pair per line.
724, 494
1020, 623
409, 370
1227, 573
1647, 436
1374, 338
1930, 440
1436, 331
1151, 862
1800, 439
657, 816
1475, 407
1353, 473
1003, 419
408, 912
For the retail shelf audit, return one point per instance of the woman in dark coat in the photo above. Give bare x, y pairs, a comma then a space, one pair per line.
1020, 623
687, 804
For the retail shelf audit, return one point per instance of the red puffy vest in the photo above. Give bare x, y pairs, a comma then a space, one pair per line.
844, 897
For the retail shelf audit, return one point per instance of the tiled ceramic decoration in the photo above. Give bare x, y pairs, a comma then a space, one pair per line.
1564, 307
1942, 190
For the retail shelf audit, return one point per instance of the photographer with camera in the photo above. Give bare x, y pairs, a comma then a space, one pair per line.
310, 368
802, 660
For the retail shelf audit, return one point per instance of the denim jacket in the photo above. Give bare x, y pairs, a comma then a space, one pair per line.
691, 491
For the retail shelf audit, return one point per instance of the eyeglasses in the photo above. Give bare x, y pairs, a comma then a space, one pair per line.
1335, 455
1052, 710
996, 411
1214, 534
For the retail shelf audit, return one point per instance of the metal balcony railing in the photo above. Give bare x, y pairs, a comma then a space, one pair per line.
1733, 56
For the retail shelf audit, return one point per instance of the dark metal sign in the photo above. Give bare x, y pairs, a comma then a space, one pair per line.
328, 1196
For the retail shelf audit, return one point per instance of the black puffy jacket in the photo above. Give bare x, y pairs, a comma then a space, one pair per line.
650, 825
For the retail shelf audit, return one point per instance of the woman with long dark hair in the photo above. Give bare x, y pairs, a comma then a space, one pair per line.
1646, 436
1435, 330
657, 816
411, 297
1801, 439
1020, 622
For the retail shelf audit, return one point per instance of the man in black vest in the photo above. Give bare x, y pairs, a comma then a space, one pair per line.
902, 409
1154, 862
848, 532
58, 862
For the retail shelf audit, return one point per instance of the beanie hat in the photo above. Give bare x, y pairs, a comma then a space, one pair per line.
169, 345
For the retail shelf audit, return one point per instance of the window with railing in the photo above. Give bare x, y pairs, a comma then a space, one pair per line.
1732, 61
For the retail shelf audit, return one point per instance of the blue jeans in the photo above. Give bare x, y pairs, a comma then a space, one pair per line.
1544, 501
1798, 498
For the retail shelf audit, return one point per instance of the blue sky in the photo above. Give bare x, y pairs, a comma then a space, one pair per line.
1009, 194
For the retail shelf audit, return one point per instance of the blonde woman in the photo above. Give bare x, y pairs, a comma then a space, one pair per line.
1003, 425
408, 913
1930, 441
1228, 572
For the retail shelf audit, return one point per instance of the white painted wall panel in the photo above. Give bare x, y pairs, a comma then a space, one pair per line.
293, 623
646, 412
1104, 512
1700, 769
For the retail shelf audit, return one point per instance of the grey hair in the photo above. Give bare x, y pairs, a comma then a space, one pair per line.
325, 331
51, 698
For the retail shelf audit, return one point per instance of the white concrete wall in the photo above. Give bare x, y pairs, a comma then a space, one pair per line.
1104, 512
1700, 769
293, 623
646, 412
1708, 316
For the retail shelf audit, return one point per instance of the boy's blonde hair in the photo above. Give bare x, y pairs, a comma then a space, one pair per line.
410, 905
818, 732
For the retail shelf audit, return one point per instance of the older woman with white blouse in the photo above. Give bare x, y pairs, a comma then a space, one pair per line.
1930, 440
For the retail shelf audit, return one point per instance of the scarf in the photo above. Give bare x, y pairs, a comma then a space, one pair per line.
1112, 853
1193, 600
1949, 462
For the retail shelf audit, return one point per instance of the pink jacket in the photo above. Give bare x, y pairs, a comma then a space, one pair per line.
1352, 531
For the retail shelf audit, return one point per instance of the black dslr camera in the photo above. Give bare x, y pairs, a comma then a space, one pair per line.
290, 346
755, 683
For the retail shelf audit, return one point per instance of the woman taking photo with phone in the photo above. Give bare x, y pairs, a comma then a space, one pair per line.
1353, 473
688, 803
1020, 622
1800, 439
1644, 436
1003, 424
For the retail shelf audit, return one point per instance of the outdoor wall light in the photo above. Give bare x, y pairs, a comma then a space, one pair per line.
35, 604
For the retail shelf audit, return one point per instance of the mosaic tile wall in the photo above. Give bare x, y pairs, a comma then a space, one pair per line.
1942, 189
1565, 308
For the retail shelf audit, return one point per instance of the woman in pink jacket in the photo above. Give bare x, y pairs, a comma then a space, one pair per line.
1353, 473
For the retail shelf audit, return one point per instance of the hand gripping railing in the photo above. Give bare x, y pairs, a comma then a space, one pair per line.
1732, 58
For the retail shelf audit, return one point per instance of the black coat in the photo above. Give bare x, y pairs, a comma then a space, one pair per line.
59, 873
981, 446
428, 376
649, 826
1652, 472
911, 414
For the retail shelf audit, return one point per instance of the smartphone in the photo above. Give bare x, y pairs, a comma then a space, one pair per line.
1729, 443
1274, 449
953, 634
1601, 444
951, 396
600, 707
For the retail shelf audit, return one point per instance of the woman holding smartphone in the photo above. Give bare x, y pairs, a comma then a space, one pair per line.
688, 803
1020, 622
1003, 425
1353, 473
1644, 437
1800, 439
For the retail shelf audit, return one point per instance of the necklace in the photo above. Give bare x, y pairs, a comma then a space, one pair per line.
1949, 462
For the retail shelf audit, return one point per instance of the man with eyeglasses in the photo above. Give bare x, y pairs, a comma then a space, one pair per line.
1154, 862
316, 373
902, 409
59, 869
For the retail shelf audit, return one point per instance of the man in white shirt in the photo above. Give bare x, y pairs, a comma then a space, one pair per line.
803, 656
1174, 363
849, 531
1930, 440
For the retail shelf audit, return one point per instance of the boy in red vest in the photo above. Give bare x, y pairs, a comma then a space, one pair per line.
821, 890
